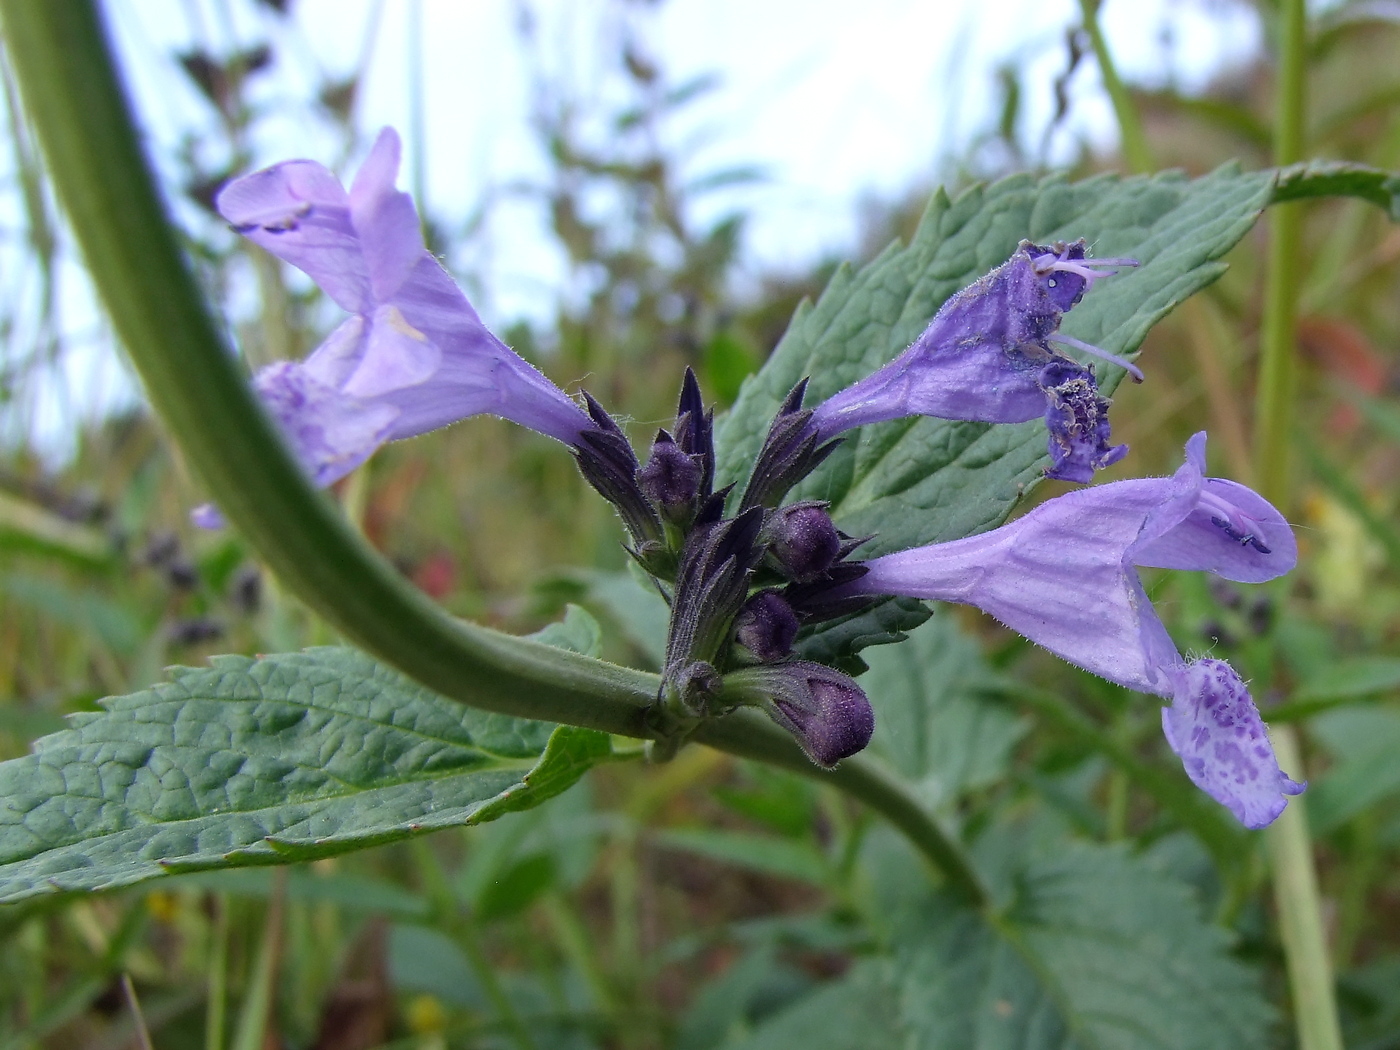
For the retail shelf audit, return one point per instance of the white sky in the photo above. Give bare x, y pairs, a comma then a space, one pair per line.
834, 100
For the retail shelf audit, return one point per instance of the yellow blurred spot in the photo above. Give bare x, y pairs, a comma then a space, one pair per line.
1344, 556
163, 907
426, 1014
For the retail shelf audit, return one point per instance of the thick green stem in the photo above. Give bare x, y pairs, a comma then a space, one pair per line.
1278, 379
1299, 916
1136, 151
75, 99
1294, 875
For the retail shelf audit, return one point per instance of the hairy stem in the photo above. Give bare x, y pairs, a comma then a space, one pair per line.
78, 106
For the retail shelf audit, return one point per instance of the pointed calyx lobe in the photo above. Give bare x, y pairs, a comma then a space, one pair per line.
607, 462
990, 355
413, 356
1065, 576
792, 449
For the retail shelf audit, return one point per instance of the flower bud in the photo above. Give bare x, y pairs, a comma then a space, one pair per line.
671, 477
766, 626
802, 540
824, 709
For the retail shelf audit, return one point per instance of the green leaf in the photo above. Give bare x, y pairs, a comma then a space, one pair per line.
577, 632
80, 609
1330, 178
266, 761
1354, 677
837, 642
1364, 743
931, 723
1096, 950
860, 1010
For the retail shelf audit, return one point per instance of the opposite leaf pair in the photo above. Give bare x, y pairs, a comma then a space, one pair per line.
414, 356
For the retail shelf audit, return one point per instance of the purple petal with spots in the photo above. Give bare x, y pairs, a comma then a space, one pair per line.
299, 212
1214, 726
1065, 576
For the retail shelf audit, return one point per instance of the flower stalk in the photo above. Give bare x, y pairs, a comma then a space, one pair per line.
1290, 845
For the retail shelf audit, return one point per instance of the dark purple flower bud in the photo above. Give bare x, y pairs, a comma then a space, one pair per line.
766, 626
824, 709
802, 540
245, 590
195, 630
671, 478
1077, 418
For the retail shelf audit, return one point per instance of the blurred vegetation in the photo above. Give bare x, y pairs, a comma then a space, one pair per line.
679, 906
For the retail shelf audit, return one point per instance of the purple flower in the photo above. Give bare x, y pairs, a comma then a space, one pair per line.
414, 356
1065, 576
987, 356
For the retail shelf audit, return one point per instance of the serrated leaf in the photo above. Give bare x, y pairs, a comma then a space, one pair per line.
837, 642
920, 481
279, 759
931, 723
1098, 951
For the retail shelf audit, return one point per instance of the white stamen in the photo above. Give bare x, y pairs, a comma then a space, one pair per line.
1069, 340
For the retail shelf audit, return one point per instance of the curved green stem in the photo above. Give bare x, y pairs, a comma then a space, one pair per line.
1136, 151
74, 97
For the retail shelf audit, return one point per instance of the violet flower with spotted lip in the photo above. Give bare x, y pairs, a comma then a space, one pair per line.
1065, 576
987, 357
414, 356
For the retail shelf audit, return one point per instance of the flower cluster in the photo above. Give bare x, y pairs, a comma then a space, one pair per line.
744, 573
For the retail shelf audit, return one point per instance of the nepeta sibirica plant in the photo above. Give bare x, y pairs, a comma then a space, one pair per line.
782, 662
741, 585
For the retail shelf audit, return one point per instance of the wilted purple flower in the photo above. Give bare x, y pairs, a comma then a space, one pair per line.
987, 356
824, 709
414, 356
1065, 576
